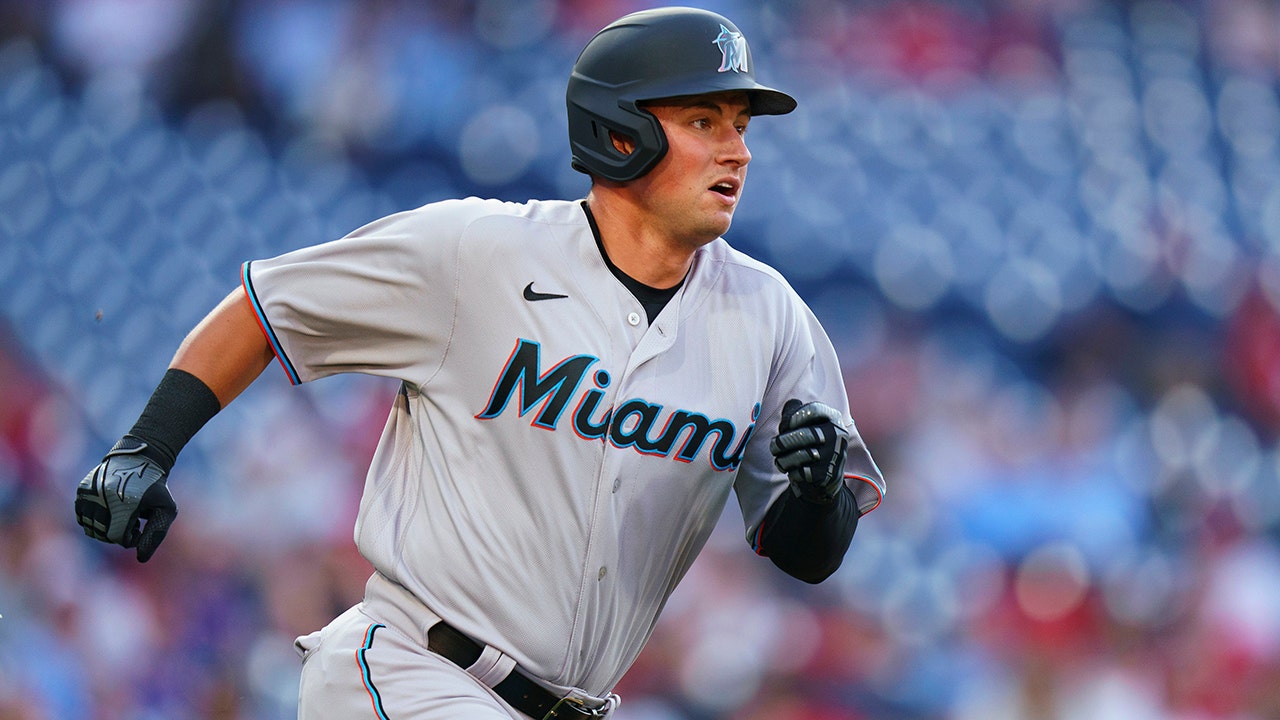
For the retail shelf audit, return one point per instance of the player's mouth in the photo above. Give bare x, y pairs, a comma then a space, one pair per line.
727, 188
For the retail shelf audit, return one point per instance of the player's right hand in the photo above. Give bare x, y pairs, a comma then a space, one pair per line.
125, 489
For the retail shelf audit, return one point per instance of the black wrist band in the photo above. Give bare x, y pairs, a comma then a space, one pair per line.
179, 407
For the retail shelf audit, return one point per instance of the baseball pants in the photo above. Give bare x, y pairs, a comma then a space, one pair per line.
357, 667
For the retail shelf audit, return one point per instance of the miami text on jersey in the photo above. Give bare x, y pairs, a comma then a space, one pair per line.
633, 423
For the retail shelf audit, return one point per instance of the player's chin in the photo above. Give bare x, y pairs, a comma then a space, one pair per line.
719, 217
710, 228
722, 222
708, 220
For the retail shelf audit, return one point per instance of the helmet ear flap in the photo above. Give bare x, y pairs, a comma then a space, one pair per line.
594, 151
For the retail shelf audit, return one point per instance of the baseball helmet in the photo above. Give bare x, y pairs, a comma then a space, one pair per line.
648, 55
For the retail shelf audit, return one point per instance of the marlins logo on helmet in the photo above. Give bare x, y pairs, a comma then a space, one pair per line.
733, 50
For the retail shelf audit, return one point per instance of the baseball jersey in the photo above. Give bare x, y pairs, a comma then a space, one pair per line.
553, 462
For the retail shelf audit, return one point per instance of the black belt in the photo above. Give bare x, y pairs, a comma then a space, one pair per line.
519, 691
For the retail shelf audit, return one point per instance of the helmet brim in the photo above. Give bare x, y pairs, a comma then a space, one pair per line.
767, 101
764, 100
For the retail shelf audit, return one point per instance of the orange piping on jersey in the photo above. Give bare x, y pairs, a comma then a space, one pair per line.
260, 315
879, 495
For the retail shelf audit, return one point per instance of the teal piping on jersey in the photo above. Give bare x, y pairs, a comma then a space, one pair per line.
266, 326
756, 541
366, 676
879, 495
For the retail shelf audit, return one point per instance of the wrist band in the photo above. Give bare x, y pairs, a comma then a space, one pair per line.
181, 404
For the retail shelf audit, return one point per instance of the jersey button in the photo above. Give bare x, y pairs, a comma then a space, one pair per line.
617, 483
603, 571
634, 319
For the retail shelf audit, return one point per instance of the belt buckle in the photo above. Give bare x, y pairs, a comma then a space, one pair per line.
568, 707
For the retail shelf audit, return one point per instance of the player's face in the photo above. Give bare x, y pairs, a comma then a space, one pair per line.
695, 188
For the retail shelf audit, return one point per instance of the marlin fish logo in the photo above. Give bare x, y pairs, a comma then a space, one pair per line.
733, 50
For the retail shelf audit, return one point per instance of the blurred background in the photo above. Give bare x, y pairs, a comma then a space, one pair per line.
1043, 234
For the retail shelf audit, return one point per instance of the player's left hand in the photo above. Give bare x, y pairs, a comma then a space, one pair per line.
810, 448
127, 487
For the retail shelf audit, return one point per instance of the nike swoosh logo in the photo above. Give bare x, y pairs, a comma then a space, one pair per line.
533, 295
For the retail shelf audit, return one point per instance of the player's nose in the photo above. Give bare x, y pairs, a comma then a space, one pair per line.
734, 149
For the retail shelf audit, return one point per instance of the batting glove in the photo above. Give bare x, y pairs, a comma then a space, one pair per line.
810, 448
127, 487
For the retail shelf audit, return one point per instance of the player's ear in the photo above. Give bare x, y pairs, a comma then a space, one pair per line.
624, 144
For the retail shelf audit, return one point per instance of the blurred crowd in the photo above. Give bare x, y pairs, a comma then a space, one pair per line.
1043, 234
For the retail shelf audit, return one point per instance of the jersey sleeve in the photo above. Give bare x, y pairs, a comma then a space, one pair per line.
806, 368
379, 301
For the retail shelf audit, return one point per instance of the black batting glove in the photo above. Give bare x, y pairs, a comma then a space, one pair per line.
125, 489
810, 448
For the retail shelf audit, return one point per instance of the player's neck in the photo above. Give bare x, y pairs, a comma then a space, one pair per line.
642, 249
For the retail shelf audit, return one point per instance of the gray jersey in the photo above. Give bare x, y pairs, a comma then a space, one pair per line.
553, 463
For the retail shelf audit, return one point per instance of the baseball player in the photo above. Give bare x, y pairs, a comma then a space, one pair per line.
582, 385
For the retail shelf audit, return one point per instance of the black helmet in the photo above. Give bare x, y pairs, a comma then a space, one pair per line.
648, 55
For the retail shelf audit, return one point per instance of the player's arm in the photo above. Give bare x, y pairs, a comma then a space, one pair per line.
807, 530
227, 351
809, 541
215, 363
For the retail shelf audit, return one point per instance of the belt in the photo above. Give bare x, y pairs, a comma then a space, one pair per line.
518, 690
